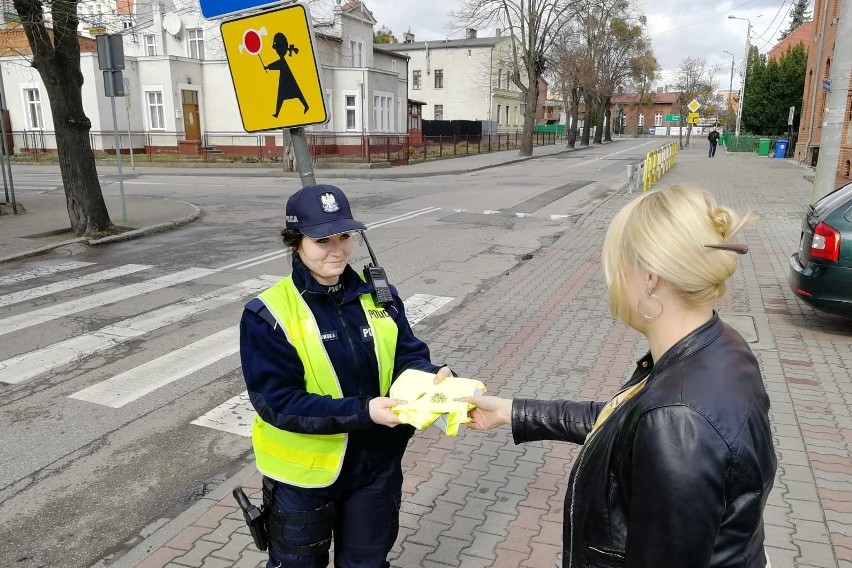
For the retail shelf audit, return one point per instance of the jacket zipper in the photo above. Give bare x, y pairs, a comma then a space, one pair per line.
580, 462
605, 553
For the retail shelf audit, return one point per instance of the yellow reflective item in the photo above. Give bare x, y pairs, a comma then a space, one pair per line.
428, 403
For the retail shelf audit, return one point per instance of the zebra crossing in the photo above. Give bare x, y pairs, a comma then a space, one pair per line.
41, 296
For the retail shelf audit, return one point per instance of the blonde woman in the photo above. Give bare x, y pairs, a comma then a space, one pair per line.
675, 469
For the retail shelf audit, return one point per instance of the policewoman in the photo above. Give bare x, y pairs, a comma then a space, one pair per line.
318, 356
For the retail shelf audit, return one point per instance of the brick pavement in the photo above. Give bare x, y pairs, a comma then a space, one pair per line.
544, 331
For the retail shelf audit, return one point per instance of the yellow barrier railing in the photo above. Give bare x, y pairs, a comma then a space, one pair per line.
658, 162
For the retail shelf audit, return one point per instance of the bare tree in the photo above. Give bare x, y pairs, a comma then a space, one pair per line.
644, 70
56, 56
533, 25
566, 72
695, 79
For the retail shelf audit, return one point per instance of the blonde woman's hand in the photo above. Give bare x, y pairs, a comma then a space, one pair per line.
490, 412
381, 413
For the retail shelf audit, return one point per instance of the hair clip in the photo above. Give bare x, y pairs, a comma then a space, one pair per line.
732, 247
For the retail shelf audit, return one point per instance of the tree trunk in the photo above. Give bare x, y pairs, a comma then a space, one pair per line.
57, 60
608, 127
599, 130
575, 117
587, 128
529, 119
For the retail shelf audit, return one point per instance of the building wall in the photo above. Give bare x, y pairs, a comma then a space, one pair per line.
813, 106
803, 34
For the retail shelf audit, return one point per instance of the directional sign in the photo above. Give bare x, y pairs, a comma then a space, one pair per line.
672, 118
692, 118
274, 69
693, 105
213, 9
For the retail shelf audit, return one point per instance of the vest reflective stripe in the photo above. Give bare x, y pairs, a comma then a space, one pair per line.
314, 460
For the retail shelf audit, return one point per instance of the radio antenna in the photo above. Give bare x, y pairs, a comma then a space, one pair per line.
369, 249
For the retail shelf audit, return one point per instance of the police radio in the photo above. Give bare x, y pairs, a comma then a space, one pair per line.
376, 276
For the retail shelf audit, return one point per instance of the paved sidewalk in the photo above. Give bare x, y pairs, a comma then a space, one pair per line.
544, 331
45, 225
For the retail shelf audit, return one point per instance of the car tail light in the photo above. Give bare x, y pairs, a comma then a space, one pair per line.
826, 243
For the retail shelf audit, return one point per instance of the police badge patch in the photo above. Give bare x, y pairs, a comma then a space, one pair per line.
329, 203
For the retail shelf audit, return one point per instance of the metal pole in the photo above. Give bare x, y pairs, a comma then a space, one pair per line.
118, 159
745, 74
303, 156
835, 107
6, 157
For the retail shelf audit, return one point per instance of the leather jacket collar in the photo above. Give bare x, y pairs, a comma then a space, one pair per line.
695, 340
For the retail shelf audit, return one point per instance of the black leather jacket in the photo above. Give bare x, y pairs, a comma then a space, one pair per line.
678, 475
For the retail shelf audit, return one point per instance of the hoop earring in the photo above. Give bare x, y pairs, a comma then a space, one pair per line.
657, 310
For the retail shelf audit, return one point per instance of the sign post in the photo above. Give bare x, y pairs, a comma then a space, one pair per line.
111, 62
276, 78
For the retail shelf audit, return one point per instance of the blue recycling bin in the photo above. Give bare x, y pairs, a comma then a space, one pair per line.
781, 149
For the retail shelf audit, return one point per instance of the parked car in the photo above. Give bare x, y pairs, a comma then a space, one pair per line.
821, 270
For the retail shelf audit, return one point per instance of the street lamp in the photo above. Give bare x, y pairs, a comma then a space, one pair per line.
730, 88
745, 70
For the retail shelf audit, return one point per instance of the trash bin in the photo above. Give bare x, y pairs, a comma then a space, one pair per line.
781, 149
763, 147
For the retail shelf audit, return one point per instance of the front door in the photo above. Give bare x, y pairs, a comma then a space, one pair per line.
191, 121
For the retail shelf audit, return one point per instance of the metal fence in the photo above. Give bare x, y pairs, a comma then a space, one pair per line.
269, 147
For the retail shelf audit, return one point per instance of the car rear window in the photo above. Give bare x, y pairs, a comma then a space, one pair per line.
833, 200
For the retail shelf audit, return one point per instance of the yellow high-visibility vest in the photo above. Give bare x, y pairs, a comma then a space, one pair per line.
314, 460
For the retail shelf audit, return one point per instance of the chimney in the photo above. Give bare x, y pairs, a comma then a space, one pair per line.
470, 33
497, 32
407, 37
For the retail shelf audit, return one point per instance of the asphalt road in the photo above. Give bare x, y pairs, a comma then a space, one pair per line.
120, 389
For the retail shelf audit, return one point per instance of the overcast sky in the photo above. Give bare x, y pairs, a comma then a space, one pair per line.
678, 28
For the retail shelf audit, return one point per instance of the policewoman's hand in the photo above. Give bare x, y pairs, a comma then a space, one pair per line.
489, 412
381, 413
442, 374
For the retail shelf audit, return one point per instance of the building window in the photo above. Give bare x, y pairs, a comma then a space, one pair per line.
393, 65
658, 119
439, 78
439, 112
195, 47
499, 77
35, 119
415, 79
380, 118
356, 48
498, 114
350, 112
156, 114
150, 44
508, 79
642, 119
507, 114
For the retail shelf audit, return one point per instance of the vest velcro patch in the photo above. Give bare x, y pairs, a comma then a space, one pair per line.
329, 335
366, 334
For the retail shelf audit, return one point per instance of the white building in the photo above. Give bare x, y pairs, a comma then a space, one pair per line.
180, 93
464, 79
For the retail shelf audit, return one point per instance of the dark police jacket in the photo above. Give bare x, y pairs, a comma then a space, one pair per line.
678, 475
274, 373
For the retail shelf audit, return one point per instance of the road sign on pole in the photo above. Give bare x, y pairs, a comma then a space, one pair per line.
215, 9
692, 118
672, 118
273, 66
693, 105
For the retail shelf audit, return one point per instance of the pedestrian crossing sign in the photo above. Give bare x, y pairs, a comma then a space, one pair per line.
273, 66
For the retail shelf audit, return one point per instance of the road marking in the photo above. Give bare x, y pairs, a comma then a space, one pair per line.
275, 255
71, 283
43, 271
23, 321
236, 414
28, 365
148, 377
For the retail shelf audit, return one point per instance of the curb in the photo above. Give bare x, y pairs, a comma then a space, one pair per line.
136, 233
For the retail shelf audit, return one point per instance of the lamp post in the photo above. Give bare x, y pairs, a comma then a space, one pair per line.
745, 71
730, 87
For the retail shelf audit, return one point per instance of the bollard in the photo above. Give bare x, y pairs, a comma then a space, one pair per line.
630, 178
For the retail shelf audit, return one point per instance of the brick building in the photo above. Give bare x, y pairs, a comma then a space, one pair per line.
653, 113
820, 56
803, 34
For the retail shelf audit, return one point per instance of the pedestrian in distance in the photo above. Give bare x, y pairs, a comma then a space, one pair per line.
676, 468
319, 354
713, 137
